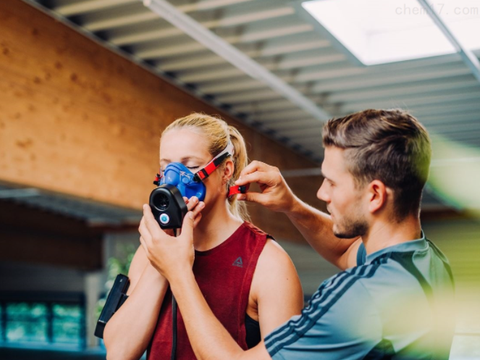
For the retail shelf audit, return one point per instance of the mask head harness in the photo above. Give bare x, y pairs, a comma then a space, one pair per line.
190, 184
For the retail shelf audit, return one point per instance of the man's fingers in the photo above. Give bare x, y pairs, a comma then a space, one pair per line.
253, 167
252, 197
267, 178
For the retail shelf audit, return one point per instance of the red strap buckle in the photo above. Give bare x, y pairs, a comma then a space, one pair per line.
234, 190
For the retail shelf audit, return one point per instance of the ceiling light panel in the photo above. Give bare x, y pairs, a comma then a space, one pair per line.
379, 31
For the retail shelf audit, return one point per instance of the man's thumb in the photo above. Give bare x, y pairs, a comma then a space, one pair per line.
252, 197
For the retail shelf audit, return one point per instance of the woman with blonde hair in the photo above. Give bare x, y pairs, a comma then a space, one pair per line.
241, 271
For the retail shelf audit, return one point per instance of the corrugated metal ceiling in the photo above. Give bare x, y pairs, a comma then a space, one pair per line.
440, 91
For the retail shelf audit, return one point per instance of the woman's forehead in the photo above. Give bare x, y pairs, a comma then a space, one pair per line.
184, 142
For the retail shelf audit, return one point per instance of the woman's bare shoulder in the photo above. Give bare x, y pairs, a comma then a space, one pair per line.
274, 255
274, 267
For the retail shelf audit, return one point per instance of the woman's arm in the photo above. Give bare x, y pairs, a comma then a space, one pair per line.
276, 288
129, 331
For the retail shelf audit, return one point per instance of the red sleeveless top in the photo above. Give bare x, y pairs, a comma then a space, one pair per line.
224, 275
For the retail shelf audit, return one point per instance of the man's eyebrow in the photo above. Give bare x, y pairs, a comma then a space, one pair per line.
322, 173
325, 176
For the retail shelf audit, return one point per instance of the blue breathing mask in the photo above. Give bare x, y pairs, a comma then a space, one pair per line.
184, 180
190, 184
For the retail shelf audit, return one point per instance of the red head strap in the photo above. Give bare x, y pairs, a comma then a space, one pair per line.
202, 174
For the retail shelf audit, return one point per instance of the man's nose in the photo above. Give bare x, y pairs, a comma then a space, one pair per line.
322, 194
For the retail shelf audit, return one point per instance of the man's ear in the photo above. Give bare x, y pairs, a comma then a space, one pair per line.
378, 195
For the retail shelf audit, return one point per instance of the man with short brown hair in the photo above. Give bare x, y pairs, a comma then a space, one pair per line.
388, 145
393, 298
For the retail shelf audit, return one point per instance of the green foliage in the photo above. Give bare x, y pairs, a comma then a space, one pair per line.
115, 266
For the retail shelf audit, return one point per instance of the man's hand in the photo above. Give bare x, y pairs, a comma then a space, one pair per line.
170, 255
275, 193
313, 224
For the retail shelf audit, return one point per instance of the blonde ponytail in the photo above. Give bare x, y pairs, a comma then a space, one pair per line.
240, 160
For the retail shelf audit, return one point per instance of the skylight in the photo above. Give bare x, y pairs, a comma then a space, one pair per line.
384, 31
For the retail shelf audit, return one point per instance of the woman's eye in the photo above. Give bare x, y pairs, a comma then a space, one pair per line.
192, 167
